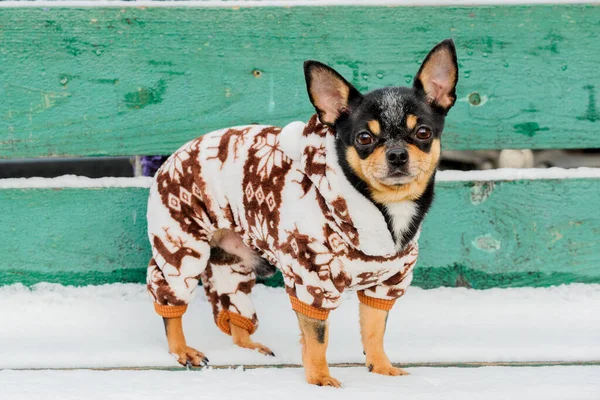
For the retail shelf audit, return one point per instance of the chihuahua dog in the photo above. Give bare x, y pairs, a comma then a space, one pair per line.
335, 204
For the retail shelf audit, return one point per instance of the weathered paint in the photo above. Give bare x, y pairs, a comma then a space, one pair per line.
481, 191
487, 243
112, 81
549, 232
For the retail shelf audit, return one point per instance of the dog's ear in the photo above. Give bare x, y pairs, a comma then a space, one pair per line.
330, 94
438, 75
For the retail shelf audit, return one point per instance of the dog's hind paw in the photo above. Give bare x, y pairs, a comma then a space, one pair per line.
241, 337
262, 349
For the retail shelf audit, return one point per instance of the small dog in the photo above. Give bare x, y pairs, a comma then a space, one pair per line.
335, 204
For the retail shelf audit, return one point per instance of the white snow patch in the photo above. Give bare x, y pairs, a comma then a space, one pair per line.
277, 3
51, 325
73, 181
512, 174
492, 383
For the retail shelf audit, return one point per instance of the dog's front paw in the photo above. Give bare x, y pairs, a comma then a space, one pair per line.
187, 356
324, 380
385, 369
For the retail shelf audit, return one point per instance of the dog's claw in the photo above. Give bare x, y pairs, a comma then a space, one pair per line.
188, 365
370, 367
271, 354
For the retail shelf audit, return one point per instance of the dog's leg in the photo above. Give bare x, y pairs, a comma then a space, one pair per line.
372, 329
241, 337
314, 339
228, 283
185, 355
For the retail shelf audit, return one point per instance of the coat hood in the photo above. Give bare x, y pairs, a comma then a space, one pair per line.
356, 218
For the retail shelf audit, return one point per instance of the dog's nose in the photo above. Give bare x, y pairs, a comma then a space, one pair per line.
397, 157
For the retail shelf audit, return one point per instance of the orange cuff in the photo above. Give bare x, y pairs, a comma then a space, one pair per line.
226, 317
170, 311
309, 311
380, 304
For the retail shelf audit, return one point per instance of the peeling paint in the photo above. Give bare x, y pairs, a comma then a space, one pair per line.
160, 63
74, 46
591, 113
105, 81
480, 191
146, 96
556, 236
529, 128
553, 38
486, 243
33, 100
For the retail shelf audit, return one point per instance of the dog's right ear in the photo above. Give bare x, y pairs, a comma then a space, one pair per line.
329, 92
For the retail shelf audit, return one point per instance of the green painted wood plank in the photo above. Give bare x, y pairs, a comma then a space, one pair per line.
110, 81
478, 234
73, 236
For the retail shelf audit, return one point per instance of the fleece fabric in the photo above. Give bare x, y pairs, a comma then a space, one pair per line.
284, 192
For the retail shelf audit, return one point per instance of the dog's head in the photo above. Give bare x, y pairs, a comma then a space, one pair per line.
388, 138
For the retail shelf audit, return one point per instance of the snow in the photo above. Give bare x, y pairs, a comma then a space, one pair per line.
115, 325
511, 174
502, 174
53, 326
73, 181
276, 3
491, 383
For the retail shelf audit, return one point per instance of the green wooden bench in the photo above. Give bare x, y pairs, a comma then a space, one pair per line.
135, 81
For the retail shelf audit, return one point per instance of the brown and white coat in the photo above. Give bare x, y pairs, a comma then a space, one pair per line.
284, 193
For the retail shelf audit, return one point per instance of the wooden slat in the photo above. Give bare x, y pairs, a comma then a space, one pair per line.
110, 81
478, 234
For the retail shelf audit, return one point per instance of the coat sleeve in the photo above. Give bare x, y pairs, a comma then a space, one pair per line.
309, 271
384, 295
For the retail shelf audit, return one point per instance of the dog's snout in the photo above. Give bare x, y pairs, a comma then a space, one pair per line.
397, 157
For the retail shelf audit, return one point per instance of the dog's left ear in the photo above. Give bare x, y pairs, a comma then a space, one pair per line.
438, 75
331, 95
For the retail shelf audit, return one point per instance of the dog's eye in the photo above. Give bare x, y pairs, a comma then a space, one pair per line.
423, 133
364, 138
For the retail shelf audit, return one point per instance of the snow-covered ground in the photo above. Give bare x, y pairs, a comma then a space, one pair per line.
115, 325
490, 383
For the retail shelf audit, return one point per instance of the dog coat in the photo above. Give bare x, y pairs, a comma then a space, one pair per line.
284, 192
